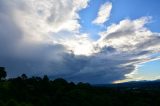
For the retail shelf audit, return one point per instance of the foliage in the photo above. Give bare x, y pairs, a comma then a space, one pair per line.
3, 73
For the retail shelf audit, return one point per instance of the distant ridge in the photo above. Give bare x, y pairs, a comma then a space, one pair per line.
133, 84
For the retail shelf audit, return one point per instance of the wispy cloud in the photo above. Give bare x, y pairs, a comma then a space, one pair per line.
104, 13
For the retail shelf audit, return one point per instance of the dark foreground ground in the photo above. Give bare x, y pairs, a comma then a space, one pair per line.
36, 91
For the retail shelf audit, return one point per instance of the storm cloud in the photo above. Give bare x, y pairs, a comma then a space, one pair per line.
43, 37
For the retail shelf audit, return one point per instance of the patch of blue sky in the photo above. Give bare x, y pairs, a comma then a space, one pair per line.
150, 70
122, 9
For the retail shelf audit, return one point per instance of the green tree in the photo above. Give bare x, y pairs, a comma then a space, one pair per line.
3, 73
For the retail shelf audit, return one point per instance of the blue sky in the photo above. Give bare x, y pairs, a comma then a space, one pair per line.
95, 41
122, 9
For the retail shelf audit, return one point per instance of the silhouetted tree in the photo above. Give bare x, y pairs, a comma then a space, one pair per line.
45, 78
3, 73
24, 76
60, 81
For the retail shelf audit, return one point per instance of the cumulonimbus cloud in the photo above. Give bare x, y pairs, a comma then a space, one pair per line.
43, 37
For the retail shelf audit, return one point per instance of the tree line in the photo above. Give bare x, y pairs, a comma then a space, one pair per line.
37, 91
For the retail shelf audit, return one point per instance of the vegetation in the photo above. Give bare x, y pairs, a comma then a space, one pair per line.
3, 73
36, 91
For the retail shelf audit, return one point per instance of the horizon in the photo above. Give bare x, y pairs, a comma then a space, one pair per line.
93, 41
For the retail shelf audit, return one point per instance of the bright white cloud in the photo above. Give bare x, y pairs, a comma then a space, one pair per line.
80, 45
51, 16
104, 13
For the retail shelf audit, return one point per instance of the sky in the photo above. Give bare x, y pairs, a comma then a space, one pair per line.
95, 41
